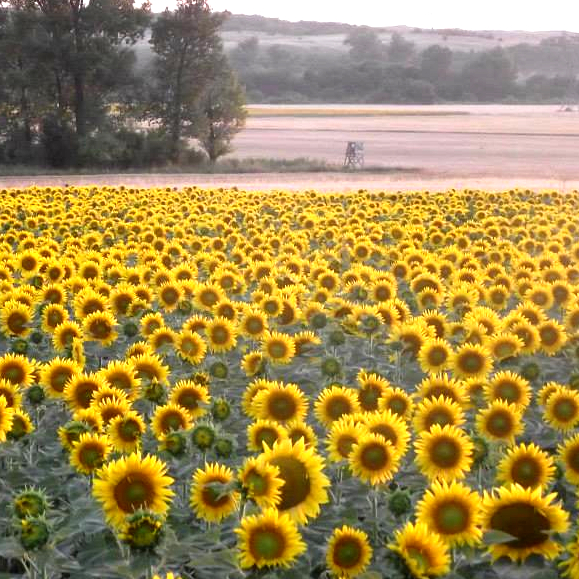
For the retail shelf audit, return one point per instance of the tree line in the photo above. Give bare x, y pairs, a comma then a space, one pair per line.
72, 95
373, 71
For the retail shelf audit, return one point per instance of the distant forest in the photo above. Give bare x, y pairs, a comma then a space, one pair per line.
367, 69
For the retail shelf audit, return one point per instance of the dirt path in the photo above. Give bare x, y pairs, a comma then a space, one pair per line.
300, 181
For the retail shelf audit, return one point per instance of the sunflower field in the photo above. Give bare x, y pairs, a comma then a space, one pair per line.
219, 384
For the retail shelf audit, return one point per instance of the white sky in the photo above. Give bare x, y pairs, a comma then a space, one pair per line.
472, 15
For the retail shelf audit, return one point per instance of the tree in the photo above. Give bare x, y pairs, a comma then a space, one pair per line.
490, 76
364, 44
399, 50
84, 46
435, 63
187, 47
221, 112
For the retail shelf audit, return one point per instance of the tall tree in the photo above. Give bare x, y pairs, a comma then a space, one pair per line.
364, 44
221, 112
187, 46
85, 46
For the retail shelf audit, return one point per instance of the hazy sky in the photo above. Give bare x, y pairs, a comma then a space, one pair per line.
485, 14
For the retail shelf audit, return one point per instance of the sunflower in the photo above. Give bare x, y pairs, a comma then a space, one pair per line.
207, 296
437, 385
15, 319
270, 539
305, 483
260, 482
110, 408
264, 431
191, 347
305, 342
348, 552
138, 349
504, 346
572, 563
6, 419
390, 426
130, 483
89, 416
568, 453
398, 402
344, 434
529, 517
510, 387
444, 452
471, 361
500, 422
193, 397
21, 425
546, 390
423, 551
125, 431
89, 452
150, 369
122, 375
252, 364
169, 418
280, 402
100, 327
440, 411
56, 374
11, 393
163, 340
335, 402
300, 430
562, 409
221, 335
252, 389
211, 503
412, 336
452, 511
552, 335
169, 294
253, 324
278, 348
435, 355
371, 388
64, 334
17, 370
527, 465
87, 302
529, 336
151, 322
373, 459
79, 390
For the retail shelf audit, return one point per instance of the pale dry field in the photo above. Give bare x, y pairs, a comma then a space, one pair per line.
537, 142
490, 147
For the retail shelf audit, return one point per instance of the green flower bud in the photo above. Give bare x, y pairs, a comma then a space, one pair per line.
399, 503
34, 533
336, 338
331, 367
142, 530
20, 346
221, 409
36, 337
223, 447
530, 371
319, 321
130, 329
30, 503
35, 394
203, 436
219, 370
175, 443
